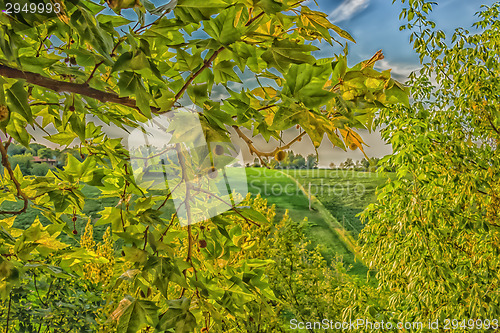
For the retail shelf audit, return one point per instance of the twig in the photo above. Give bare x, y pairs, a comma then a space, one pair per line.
20, 193
168, 196
193, 76
145, 238
43, 103
492, 125
36, 289
8, 143
259, 153
207, 64
93, 71
8, 314
227, 203
168, 227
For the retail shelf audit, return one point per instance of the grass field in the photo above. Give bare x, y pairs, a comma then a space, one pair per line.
343, 193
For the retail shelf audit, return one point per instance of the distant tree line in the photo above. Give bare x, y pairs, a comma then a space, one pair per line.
291, 160
361, 165
23, 157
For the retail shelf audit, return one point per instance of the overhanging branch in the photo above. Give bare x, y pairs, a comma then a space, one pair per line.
70, 87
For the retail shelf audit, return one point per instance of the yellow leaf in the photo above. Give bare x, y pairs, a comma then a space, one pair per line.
264, 93
237, 17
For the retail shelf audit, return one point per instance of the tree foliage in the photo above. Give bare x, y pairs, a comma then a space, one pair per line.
70, 70
433, 235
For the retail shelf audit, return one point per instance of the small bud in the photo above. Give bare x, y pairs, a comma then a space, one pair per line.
75, 232
280, 155
72, 108
212, 174
4, 112
202, 243
219, 150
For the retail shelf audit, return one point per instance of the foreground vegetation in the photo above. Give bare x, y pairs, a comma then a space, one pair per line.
432, 236
70, 68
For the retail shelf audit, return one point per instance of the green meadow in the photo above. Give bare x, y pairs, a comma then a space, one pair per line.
344, 193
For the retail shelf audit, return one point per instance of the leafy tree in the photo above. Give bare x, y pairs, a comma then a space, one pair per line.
39, 169
365, 164
45, 153
299, 162
69, 66
16, 149
347, 164
22, 161
311, 161
433, 236
34, 148
373, 163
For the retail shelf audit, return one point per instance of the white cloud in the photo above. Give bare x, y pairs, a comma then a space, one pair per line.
399, 71
347, 10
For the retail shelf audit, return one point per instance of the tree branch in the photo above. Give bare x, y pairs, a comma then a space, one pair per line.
63, 86
259, 153
193, 76
20, 193
207, 64
199, 189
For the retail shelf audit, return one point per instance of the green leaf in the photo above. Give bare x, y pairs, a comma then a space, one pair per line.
339, 69
116, 21
342, 33
284, 52
222, 28
17, 100
142, 99
127, 83
63, 138
36, 64
17, 129
178, 317
196, 11
397, 95
269, 6
137, 315
135, 255
122, 62
251, 214
224, 72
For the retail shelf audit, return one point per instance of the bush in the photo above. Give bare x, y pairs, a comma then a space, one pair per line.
23, 161
39, 169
